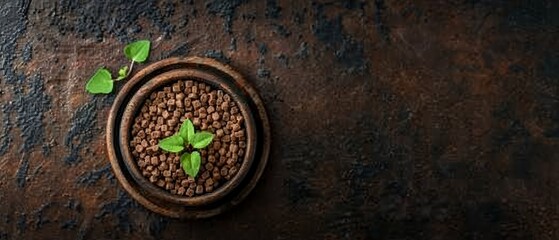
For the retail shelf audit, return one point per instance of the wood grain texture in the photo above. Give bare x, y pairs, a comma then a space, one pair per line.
390, 119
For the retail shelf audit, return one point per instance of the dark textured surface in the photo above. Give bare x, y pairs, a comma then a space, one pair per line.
390, 119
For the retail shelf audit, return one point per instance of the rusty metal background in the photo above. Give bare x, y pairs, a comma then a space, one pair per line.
391, 119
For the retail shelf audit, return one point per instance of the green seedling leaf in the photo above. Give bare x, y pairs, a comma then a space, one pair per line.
137, 51
191, 163
202, 139
100, 82
172, 144
187, 130
122, 72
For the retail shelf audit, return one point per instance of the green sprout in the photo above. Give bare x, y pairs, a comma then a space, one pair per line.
102, 81
186, 137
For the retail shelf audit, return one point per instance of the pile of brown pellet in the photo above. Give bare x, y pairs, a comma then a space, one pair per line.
209, 110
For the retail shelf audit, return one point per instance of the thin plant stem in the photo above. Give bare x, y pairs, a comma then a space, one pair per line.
127, 73
130, 68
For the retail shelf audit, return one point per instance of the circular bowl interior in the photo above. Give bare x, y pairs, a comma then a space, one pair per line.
166, 79
134, 185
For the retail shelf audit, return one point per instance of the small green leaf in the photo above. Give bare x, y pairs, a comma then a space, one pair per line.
173, 144
202, 139
137, 51
122, 72
100, 82
187, 130
191, 163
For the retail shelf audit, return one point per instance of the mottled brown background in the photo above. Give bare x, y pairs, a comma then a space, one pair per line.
391, 119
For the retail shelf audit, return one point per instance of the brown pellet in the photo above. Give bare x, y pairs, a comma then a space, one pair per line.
160, 183
199, 189
141, 163
152, 109
215, 116
154, 161
196, 104
171, 102
202, 114
239, 134
165, 114
224, 171
216, 174
219, 133
204, 98
163, 166
176, 88
196, 121
233, 170
231, 161
177, 114
179, 173
172, 122
222, 152
190, 192
209, 181
205, 175
155, 134
211, 159
153, 179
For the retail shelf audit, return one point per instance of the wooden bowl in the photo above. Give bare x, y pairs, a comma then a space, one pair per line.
128, 103
167, 79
